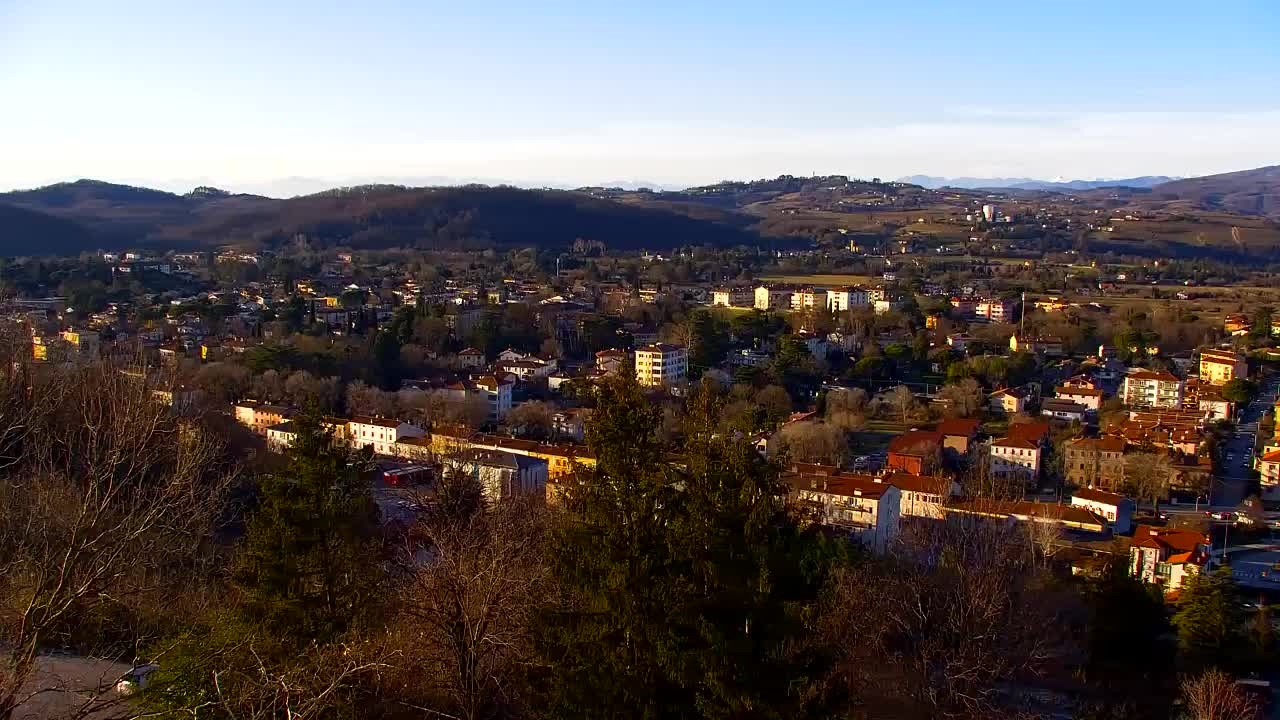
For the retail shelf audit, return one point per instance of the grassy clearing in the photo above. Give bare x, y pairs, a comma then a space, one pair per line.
820, 279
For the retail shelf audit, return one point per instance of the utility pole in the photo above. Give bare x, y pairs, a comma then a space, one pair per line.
1022, 318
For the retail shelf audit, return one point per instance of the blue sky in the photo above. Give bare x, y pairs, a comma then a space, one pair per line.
244, 94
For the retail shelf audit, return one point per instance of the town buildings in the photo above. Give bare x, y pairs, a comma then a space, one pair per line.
661, 364
1219, 367
1095, 462
867, 510
1167, 556
1152, 389
1116, 508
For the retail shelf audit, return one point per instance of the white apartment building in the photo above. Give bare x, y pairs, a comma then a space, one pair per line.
380, 433
497, 390
661, 364
1147, 388
866, 509
808, 299
1219, 367
732, 297
772, 298
995, 310
1015, 456
846, 298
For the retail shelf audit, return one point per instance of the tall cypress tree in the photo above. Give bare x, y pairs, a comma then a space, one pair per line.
751, 575
309, 564
682, 591
606, 646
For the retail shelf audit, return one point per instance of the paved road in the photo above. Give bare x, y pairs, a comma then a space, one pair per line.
1237, 456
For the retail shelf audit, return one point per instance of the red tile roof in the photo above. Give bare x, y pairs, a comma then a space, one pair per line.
967, 427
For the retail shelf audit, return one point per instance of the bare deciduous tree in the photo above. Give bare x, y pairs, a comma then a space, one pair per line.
1214, 695
815, 442
965, 398
474, 582
107, 503
846, 409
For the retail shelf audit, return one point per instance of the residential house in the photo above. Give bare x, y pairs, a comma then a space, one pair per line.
1095, 462
1268, 467
994, 310
733, 297
471, 359
959, 341
610, 362
867, 510
772, 298
1166, 556
571, 424
1219, 367
964, 307
1009, 401
380, 433
661, 364
958, 434
527, 370
916, 452
1089, 397
1116, 508
497, 392
258, 416
501, 475
922, 495
1150, 388
1016, 457
1237, 325
1066, 410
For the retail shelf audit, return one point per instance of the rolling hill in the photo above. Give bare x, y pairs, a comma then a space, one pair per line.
1247, 192
377, 216
30, 232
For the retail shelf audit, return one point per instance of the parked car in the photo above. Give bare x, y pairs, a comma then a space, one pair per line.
135, 680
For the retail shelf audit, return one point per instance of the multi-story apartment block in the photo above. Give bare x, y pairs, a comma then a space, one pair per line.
772, 298
732, 297
1148, 388
994, 310
1095, 462
866, 509
808, 299
846, 298
1219, 367
661, 364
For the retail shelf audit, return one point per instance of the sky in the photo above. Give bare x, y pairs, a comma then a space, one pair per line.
275, 95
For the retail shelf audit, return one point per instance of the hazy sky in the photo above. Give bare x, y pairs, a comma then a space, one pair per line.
244, 93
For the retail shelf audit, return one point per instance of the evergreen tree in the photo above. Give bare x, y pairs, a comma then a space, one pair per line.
684, 595
751, 576
708, 342
1208, 621
309, 564
607, 650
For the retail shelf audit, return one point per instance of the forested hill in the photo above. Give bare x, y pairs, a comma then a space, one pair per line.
364, 217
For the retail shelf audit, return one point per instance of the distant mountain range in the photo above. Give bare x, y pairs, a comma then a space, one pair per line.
974, 183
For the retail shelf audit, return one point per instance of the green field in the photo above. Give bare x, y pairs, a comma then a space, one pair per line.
820, 280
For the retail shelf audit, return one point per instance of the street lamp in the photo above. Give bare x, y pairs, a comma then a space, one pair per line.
1206, 501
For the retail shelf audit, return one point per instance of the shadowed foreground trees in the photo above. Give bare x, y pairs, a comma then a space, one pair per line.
678, 594
109, 508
